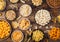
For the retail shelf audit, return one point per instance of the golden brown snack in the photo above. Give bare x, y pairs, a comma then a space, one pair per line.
17, 36
24, 24
37, 2
53, 3
54, 33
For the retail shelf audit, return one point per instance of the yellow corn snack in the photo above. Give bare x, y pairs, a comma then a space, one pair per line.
2, 4
4, 29
37, 35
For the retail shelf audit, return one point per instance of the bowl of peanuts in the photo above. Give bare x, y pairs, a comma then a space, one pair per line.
5, 29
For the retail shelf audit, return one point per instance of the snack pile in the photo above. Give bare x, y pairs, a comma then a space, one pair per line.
37, 2
17, 36
10, 15
42, 17
24, 24
53, 4
25, 10
2, 4
54, 33
37, 35
4, 29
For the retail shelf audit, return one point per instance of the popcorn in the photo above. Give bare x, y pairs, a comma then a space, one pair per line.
42, 17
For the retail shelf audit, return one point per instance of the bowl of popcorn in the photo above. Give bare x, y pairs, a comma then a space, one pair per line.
5, 29
42, 17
